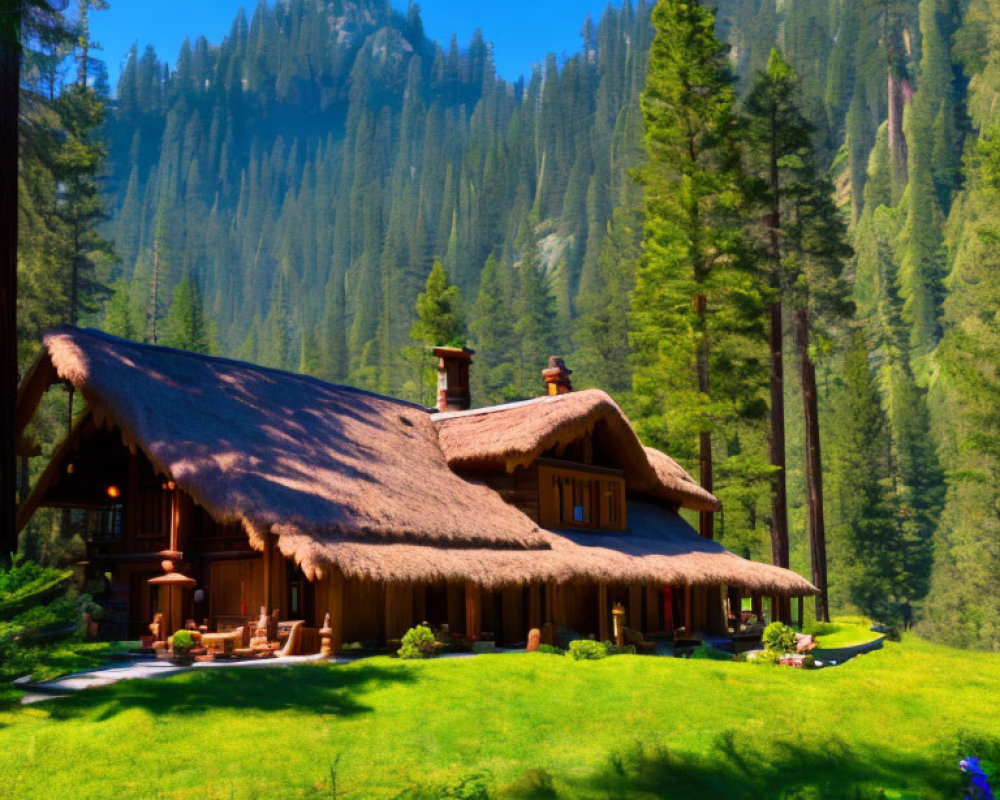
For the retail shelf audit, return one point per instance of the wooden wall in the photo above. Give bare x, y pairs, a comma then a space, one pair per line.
519, 488
235, 587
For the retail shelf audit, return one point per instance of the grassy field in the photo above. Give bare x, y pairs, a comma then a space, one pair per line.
891, 724
842, 632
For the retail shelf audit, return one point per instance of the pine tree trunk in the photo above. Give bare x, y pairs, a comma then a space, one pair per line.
706, 519
779, 487
779, 492
9, 108
814, 466
153, 291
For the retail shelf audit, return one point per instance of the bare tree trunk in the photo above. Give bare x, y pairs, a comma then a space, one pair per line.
814, 465
706, 519
10, 24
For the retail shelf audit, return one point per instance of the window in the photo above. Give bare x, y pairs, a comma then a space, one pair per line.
580, 496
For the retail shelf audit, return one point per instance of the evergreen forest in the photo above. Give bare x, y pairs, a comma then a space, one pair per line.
770, 230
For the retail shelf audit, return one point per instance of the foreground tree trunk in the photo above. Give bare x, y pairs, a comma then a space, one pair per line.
779, 480
814, 466
706, 519
779, 492
10, 17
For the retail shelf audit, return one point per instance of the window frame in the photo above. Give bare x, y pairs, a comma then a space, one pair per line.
598, 491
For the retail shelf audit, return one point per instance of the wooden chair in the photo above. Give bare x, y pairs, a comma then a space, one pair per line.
293, 643
636, 639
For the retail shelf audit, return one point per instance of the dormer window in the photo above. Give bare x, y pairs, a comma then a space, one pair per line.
580, 496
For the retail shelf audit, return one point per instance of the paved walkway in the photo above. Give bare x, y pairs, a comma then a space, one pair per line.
142, 668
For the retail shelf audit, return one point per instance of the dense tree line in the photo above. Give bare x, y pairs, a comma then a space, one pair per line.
690, 223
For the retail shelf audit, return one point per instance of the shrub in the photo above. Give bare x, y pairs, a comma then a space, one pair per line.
587, 650
765, 657
39, 611
535, 784
418, 642
551, 649
779, 638
183, 641
706, 651
615, 650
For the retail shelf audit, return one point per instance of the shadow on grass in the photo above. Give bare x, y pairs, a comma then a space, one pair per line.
733, 768
317, 688
780, 768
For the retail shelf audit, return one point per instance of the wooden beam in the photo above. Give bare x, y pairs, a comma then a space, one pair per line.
335, 601
801, 610
473, 611
634, 619
268, 558
52, 472
603, 613
39, 377
654, 609
688, 617
535, 606
420, 602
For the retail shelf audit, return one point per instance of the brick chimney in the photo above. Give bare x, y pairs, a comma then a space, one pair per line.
557, 376
453, 378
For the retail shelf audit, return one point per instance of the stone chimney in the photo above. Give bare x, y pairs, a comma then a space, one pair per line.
557, 376
453, 378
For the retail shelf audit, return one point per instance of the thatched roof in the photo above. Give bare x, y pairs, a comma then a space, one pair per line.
284, 452
515, 434
356, 481
659, 548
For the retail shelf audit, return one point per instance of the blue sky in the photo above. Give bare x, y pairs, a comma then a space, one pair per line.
522, 31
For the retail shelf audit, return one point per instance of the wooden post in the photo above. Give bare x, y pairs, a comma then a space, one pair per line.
801, 610
473, 611
549, 602
456, 603
688, 619
420, 602
398, 609
653, 609
634, 619
535, 606
604, 613
268, 552
335, 600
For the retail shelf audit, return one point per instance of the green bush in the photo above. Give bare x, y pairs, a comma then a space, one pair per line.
551, 649
615, 650
779, 638
587, 650
765, 657
40, 611
418, 642
183, 641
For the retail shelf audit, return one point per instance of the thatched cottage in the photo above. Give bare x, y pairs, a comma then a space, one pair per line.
269, 488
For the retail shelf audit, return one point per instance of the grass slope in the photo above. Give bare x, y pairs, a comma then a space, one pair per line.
842, 632
889, 724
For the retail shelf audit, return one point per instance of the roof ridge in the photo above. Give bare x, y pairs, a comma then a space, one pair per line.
235, 362
442, 416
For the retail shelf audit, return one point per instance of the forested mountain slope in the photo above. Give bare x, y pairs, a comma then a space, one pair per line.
298, 180
308, 170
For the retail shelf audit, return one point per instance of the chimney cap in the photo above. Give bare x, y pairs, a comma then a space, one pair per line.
463, 353
558, 363
556, 375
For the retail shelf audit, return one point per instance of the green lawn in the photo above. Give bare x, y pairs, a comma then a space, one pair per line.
842, 632
888, 724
